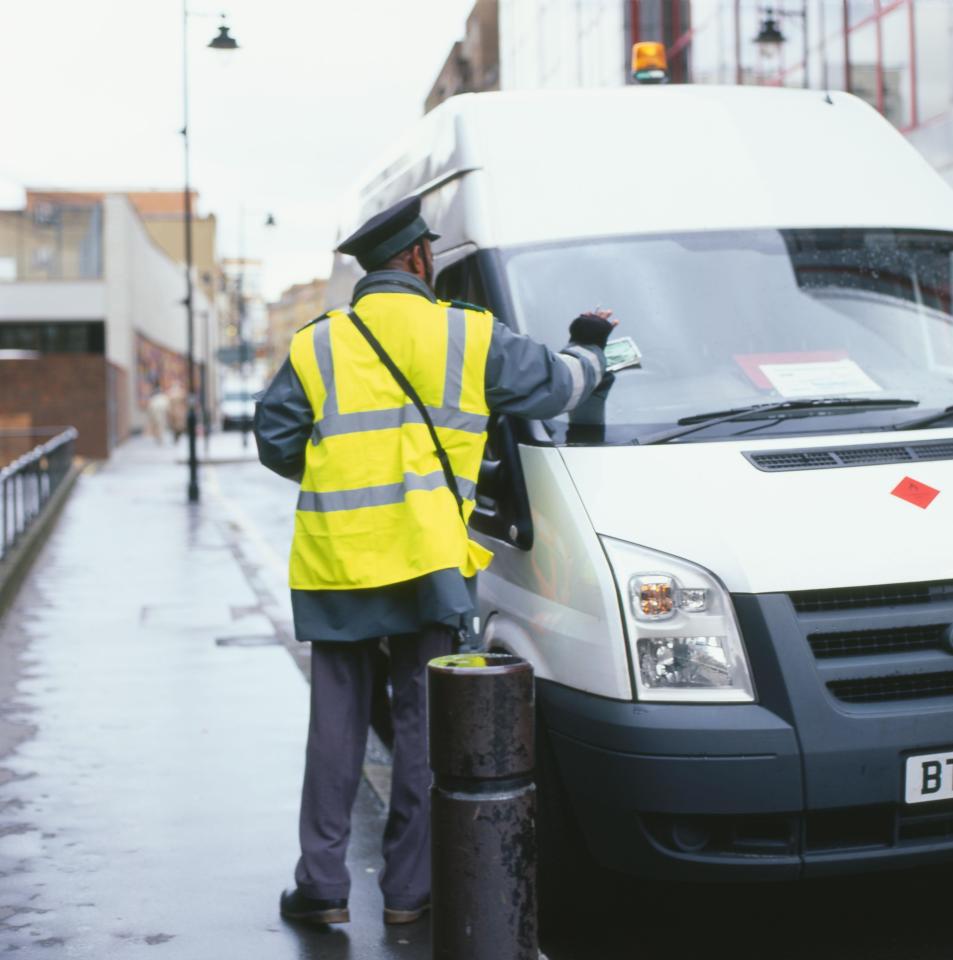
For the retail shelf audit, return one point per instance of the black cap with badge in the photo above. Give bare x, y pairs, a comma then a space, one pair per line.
387, 233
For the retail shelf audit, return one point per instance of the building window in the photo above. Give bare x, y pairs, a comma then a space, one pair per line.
52, 241
932, 28
897, 68
830, 54
862, 49
64, 337
860, 10
711, 48
882, 57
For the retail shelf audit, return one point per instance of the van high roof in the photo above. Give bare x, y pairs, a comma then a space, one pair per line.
543, 165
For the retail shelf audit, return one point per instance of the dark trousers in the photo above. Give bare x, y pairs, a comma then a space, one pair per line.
341, 690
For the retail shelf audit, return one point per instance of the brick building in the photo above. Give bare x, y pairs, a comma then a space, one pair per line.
91, 317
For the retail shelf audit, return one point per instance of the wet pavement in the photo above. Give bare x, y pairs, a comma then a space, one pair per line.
152, 734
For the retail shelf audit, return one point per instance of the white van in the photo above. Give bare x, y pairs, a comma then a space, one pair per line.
733, 572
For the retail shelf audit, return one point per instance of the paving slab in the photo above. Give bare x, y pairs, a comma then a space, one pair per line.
152, 731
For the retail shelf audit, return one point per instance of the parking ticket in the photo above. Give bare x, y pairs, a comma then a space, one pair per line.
622, 353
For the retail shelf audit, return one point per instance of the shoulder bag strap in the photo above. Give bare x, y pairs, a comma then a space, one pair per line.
407, 387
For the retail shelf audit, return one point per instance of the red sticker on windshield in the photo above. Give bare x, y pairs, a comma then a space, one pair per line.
919, 494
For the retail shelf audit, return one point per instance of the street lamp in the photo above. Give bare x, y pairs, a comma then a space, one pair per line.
770, 38
222, 42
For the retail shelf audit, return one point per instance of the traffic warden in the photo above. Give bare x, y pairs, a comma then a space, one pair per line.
381, 548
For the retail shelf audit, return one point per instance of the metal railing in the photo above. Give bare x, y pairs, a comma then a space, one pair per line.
27, 483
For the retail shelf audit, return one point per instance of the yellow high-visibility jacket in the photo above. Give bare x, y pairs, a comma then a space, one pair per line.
374, 507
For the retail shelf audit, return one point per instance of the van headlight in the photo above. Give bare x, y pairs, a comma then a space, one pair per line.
684, 639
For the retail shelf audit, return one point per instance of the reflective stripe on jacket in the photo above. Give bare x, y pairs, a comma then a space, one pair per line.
374, 507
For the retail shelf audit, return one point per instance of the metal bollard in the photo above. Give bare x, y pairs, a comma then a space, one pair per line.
481, 710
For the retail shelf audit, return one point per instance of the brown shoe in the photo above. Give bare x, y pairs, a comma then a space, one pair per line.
393, 916
296, 906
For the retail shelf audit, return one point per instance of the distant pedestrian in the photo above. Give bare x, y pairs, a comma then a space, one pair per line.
157, 414
178, 410
380, 545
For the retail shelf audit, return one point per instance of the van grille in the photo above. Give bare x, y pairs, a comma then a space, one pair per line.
825, 458
882, 689
794, 460
883, 643
863, 643
864, 456
887, 595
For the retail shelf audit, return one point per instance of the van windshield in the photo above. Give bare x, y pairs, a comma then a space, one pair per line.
727, 320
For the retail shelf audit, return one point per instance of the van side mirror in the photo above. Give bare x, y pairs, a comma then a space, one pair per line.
502, 505
490, 482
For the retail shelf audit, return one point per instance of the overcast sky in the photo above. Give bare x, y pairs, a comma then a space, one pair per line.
92, 97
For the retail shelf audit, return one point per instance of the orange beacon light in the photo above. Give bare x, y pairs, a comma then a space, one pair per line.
649, 63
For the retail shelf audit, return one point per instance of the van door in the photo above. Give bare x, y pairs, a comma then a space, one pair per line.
502, 507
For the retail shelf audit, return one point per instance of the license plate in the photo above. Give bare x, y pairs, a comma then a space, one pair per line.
929, 777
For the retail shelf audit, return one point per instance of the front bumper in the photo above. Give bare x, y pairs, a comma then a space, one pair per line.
797, 785
643, 780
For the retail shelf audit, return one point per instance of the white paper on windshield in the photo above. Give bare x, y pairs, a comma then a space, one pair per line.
827, 378
622, 352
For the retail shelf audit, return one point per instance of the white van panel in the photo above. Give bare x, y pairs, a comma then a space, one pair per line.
556, 605
773, 532
683, 158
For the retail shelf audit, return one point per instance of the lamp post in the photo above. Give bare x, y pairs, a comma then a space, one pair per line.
770, 38
244, 347
222, 42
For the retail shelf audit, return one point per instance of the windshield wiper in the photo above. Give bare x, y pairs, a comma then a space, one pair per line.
702, 421
926, 421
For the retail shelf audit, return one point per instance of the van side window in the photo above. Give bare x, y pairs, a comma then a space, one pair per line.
462, 281
476, 294
452, 282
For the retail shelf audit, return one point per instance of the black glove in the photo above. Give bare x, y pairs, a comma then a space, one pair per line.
589, 329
